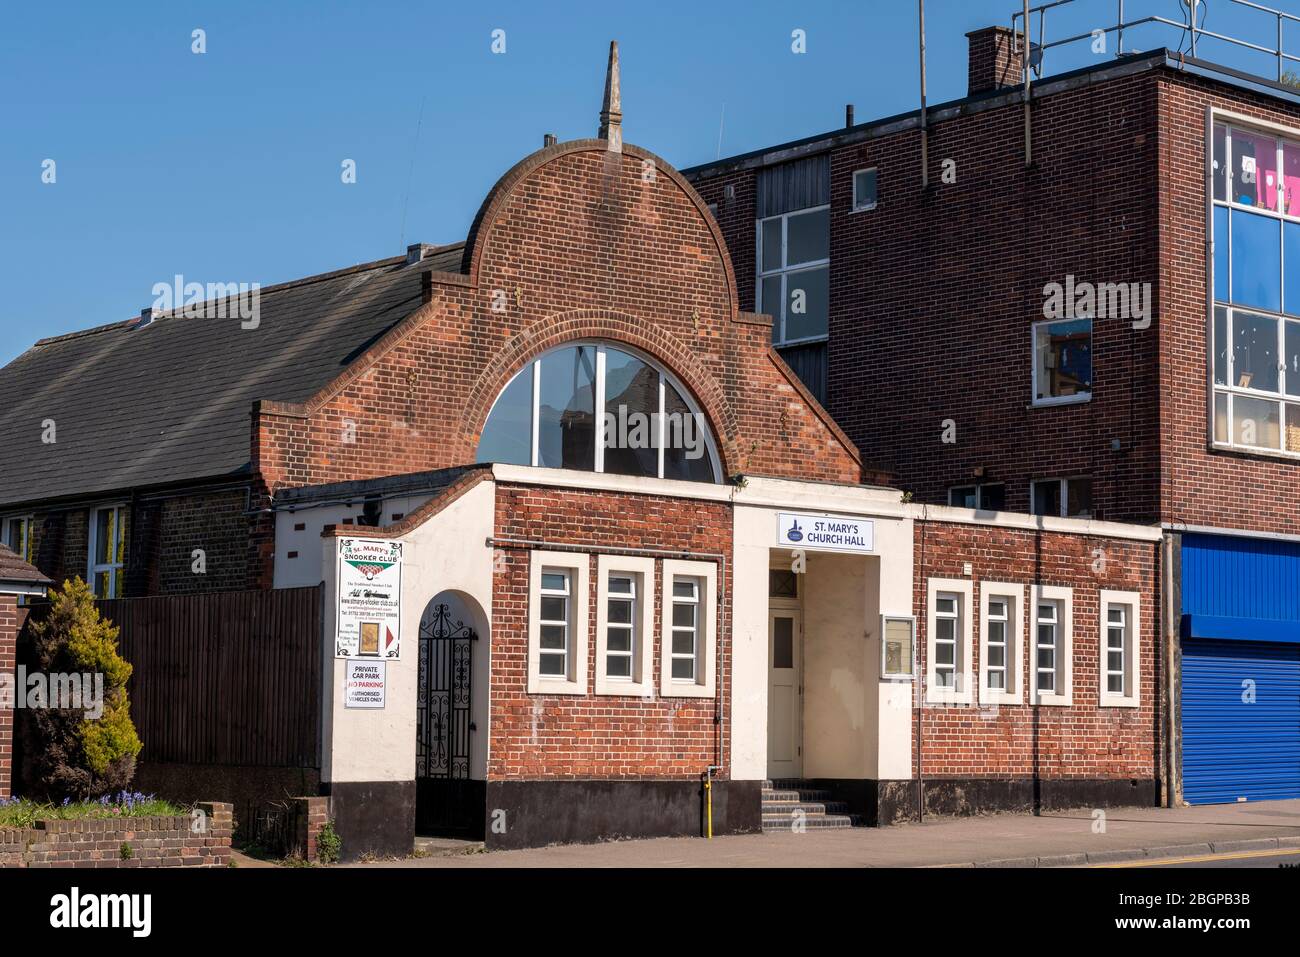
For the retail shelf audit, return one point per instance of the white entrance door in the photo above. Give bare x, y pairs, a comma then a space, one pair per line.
784, 693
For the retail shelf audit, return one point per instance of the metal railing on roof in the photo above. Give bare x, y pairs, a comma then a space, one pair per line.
1188, 26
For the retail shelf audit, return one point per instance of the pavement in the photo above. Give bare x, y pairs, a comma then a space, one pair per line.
1265, 833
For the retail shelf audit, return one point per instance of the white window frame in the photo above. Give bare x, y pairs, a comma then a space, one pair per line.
1014, 595
707, 632
642, 573
1063, 695
865, 207
598, 385
1281, 135
1064, 490
910, 621
577, 565
93, 568
785, 271
1075, 399
1131, 602
963, 691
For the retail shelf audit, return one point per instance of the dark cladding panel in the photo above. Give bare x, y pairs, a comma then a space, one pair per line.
795, 185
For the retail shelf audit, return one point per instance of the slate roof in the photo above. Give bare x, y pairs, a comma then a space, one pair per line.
14, 569
169, 401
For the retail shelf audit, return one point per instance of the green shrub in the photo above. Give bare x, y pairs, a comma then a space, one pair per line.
328, 844
125, 851
65, 753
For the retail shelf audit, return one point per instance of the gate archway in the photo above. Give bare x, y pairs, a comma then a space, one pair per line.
447, 801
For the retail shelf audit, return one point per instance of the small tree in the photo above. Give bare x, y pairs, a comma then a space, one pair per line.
65, 753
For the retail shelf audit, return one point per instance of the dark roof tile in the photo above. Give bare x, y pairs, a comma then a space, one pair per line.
169, 401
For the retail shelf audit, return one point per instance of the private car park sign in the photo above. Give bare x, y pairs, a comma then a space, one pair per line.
369, 599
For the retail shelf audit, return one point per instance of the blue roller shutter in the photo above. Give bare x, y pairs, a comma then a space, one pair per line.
1240, 669
1234, 747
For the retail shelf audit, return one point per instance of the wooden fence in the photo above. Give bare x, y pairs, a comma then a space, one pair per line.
228, 678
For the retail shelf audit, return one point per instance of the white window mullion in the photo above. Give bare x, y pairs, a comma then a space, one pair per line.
660, 429
599, 406
537, 393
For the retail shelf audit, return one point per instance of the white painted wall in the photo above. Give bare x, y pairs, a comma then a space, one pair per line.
449, 552
305, 569
855, 725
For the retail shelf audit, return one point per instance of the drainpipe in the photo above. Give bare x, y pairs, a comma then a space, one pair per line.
1024, 50
925, 134
918, 685
1171, 632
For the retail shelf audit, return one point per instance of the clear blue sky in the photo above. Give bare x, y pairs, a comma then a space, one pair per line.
225, 166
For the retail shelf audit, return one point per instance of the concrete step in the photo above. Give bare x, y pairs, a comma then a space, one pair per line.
796, 797
820, 822
807, 807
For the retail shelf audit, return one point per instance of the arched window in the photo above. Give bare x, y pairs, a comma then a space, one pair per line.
553, 412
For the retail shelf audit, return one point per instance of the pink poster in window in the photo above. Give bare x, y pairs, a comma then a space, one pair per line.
1254, 172
1291, 178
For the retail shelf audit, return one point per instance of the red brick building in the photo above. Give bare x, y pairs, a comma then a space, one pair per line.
1095, 328
638, 570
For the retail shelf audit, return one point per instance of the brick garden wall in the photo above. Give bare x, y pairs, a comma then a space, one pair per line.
100, 842
599, 736
1015, 741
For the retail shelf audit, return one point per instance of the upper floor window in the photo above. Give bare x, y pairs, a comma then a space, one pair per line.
864, 189
1064, 498
1255, 328
593, 407
794, 251
106, 571
992, 498
1062, 361
16, 532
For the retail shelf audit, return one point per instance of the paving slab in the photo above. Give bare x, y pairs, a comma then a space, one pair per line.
1063, 839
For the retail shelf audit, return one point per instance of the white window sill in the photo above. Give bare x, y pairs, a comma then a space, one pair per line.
863, 209
555, 686
935, 695
622, 688
1054, 700
989, 696
683, 689
1116, 701
1255, 450
1061, 400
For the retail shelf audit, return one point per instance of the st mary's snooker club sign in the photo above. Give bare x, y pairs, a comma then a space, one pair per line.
834, 532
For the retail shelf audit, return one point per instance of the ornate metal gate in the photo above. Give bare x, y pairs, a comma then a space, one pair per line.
444, 795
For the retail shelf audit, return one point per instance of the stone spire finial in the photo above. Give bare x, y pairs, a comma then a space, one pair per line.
611, 110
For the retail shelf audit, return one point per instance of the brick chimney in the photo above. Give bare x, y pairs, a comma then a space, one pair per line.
994, 60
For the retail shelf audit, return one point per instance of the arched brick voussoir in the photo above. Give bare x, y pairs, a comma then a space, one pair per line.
498, 197
586, 324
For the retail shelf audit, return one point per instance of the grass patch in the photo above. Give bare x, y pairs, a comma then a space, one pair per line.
23, 812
